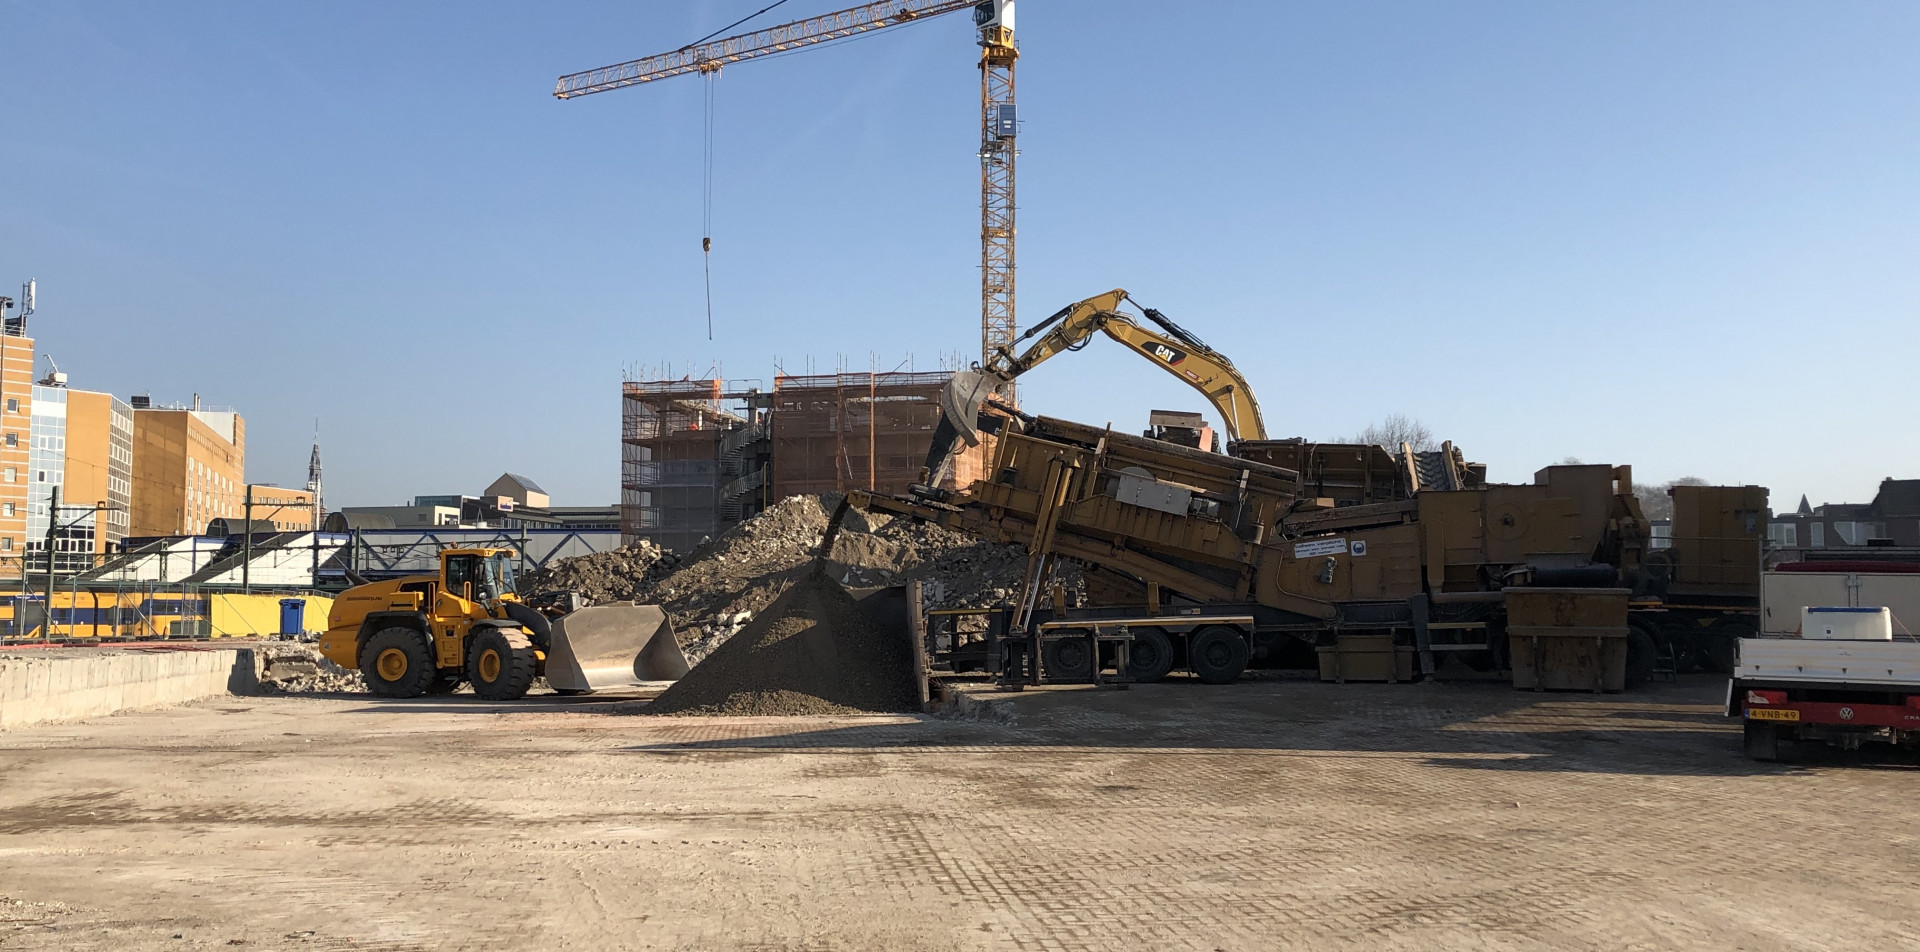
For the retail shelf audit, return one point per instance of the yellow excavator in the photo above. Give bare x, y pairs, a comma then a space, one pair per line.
1177, 351
428, 634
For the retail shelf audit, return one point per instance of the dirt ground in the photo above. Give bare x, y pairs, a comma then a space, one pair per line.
1269, 814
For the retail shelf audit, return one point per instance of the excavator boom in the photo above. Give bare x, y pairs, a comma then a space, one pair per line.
1176, 351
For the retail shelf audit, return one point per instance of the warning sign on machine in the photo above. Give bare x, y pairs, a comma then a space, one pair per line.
1308, 550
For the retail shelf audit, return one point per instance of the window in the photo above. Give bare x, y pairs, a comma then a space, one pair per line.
6, 509
1783, 534
6, 544
1817, 535
13, 405
13, 439
13, 475
1857, 533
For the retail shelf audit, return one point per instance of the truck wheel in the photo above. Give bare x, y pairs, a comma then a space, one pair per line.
1150, 656
500, 664
1217, 654
1721, 652
396, 663
1763, 741
1641, 651
1068, 659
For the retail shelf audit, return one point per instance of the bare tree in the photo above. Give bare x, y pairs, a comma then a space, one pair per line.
1654, 500
1395, 430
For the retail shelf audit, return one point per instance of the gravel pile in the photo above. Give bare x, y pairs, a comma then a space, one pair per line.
301, 669
812, 651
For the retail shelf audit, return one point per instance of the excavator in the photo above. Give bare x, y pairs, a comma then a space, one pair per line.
1177, 351
467, 623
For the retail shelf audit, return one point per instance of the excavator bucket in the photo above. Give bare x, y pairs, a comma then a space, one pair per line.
961, 399
610, 646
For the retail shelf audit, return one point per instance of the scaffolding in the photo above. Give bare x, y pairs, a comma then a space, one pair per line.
670, 475
835, 432
698, 456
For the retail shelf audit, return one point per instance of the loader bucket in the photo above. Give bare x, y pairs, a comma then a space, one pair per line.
609, 646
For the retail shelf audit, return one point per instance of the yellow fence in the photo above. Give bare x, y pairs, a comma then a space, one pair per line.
159, 613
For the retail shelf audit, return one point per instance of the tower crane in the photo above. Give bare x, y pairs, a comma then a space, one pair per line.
993, 20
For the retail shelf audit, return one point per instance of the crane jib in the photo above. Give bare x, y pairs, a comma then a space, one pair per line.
706, 57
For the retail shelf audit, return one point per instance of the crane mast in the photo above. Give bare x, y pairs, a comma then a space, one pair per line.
999, 126
998, 129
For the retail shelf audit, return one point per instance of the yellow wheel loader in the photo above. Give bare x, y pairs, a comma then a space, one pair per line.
428, 634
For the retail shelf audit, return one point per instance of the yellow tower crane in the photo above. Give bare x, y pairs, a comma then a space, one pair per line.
998, 125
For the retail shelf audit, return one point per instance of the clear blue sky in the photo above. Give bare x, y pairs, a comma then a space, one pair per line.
1684, 236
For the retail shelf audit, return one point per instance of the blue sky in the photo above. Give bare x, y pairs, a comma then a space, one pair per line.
1684, 236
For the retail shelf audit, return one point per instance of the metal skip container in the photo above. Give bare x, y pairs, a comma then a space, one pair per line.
1568, 639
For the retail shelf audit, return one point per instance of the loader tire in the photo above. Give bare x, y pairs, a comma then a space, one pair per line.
397, 663
1150, 656
500, 664
1217, 654
1067, 660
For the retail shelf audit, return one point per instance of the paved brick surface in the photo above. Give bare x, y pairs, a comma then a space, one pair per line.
1268, 814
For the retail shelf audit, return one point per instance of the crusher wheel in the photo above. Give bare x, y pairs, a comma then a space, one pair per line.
1150, 656
1068, 659
1217, 654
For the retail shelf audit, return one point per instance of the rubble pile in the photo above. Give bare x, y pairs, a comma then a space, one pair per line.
616, 576
301, 669
712, 593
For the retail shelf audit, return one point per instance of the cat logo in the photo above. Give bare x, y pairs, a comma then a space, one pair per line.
1166, 353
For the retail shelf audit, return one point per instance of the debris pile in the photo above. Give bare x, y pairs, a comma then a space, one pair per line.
814, 650
614, 576
301, 669
717, 589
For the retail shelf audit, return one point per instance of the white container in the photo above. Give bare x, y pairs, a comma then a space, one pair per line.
1846, 624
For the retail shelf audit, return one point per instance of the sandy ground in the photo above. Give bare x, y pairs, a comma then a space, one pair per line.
1261, 815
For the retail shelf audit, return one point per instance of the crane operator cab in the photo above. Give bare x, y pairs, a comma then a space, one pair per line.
992, 17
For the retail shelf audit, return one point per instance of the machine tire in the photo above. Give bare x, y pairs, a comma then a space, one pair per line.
1762, 741
397, 663
1641, 650
500, 664
1217, 654
1067, 659
1150, 656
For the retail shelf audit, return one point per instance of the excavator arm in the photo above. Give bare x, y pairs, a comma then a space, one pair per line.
1176, 351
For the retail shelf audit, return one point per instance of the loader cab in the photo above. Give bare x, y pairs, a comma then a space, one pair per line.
478, 575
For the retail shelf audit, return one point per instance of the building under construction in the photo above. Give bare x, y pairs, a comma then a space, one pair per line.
698, 456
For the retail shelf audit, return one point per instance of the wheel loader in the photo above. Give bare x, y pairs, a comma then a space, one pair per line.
428, 634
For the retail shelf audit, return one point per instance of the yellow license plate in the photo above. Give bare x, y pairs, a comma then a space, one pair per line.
1772, 714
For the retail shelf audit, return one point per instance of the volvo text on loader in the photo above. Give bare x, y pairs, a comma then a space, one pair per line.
428, 634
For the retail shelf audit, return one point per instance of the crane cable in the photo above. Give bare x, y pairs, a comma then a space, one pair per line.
706, 196
706, 205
